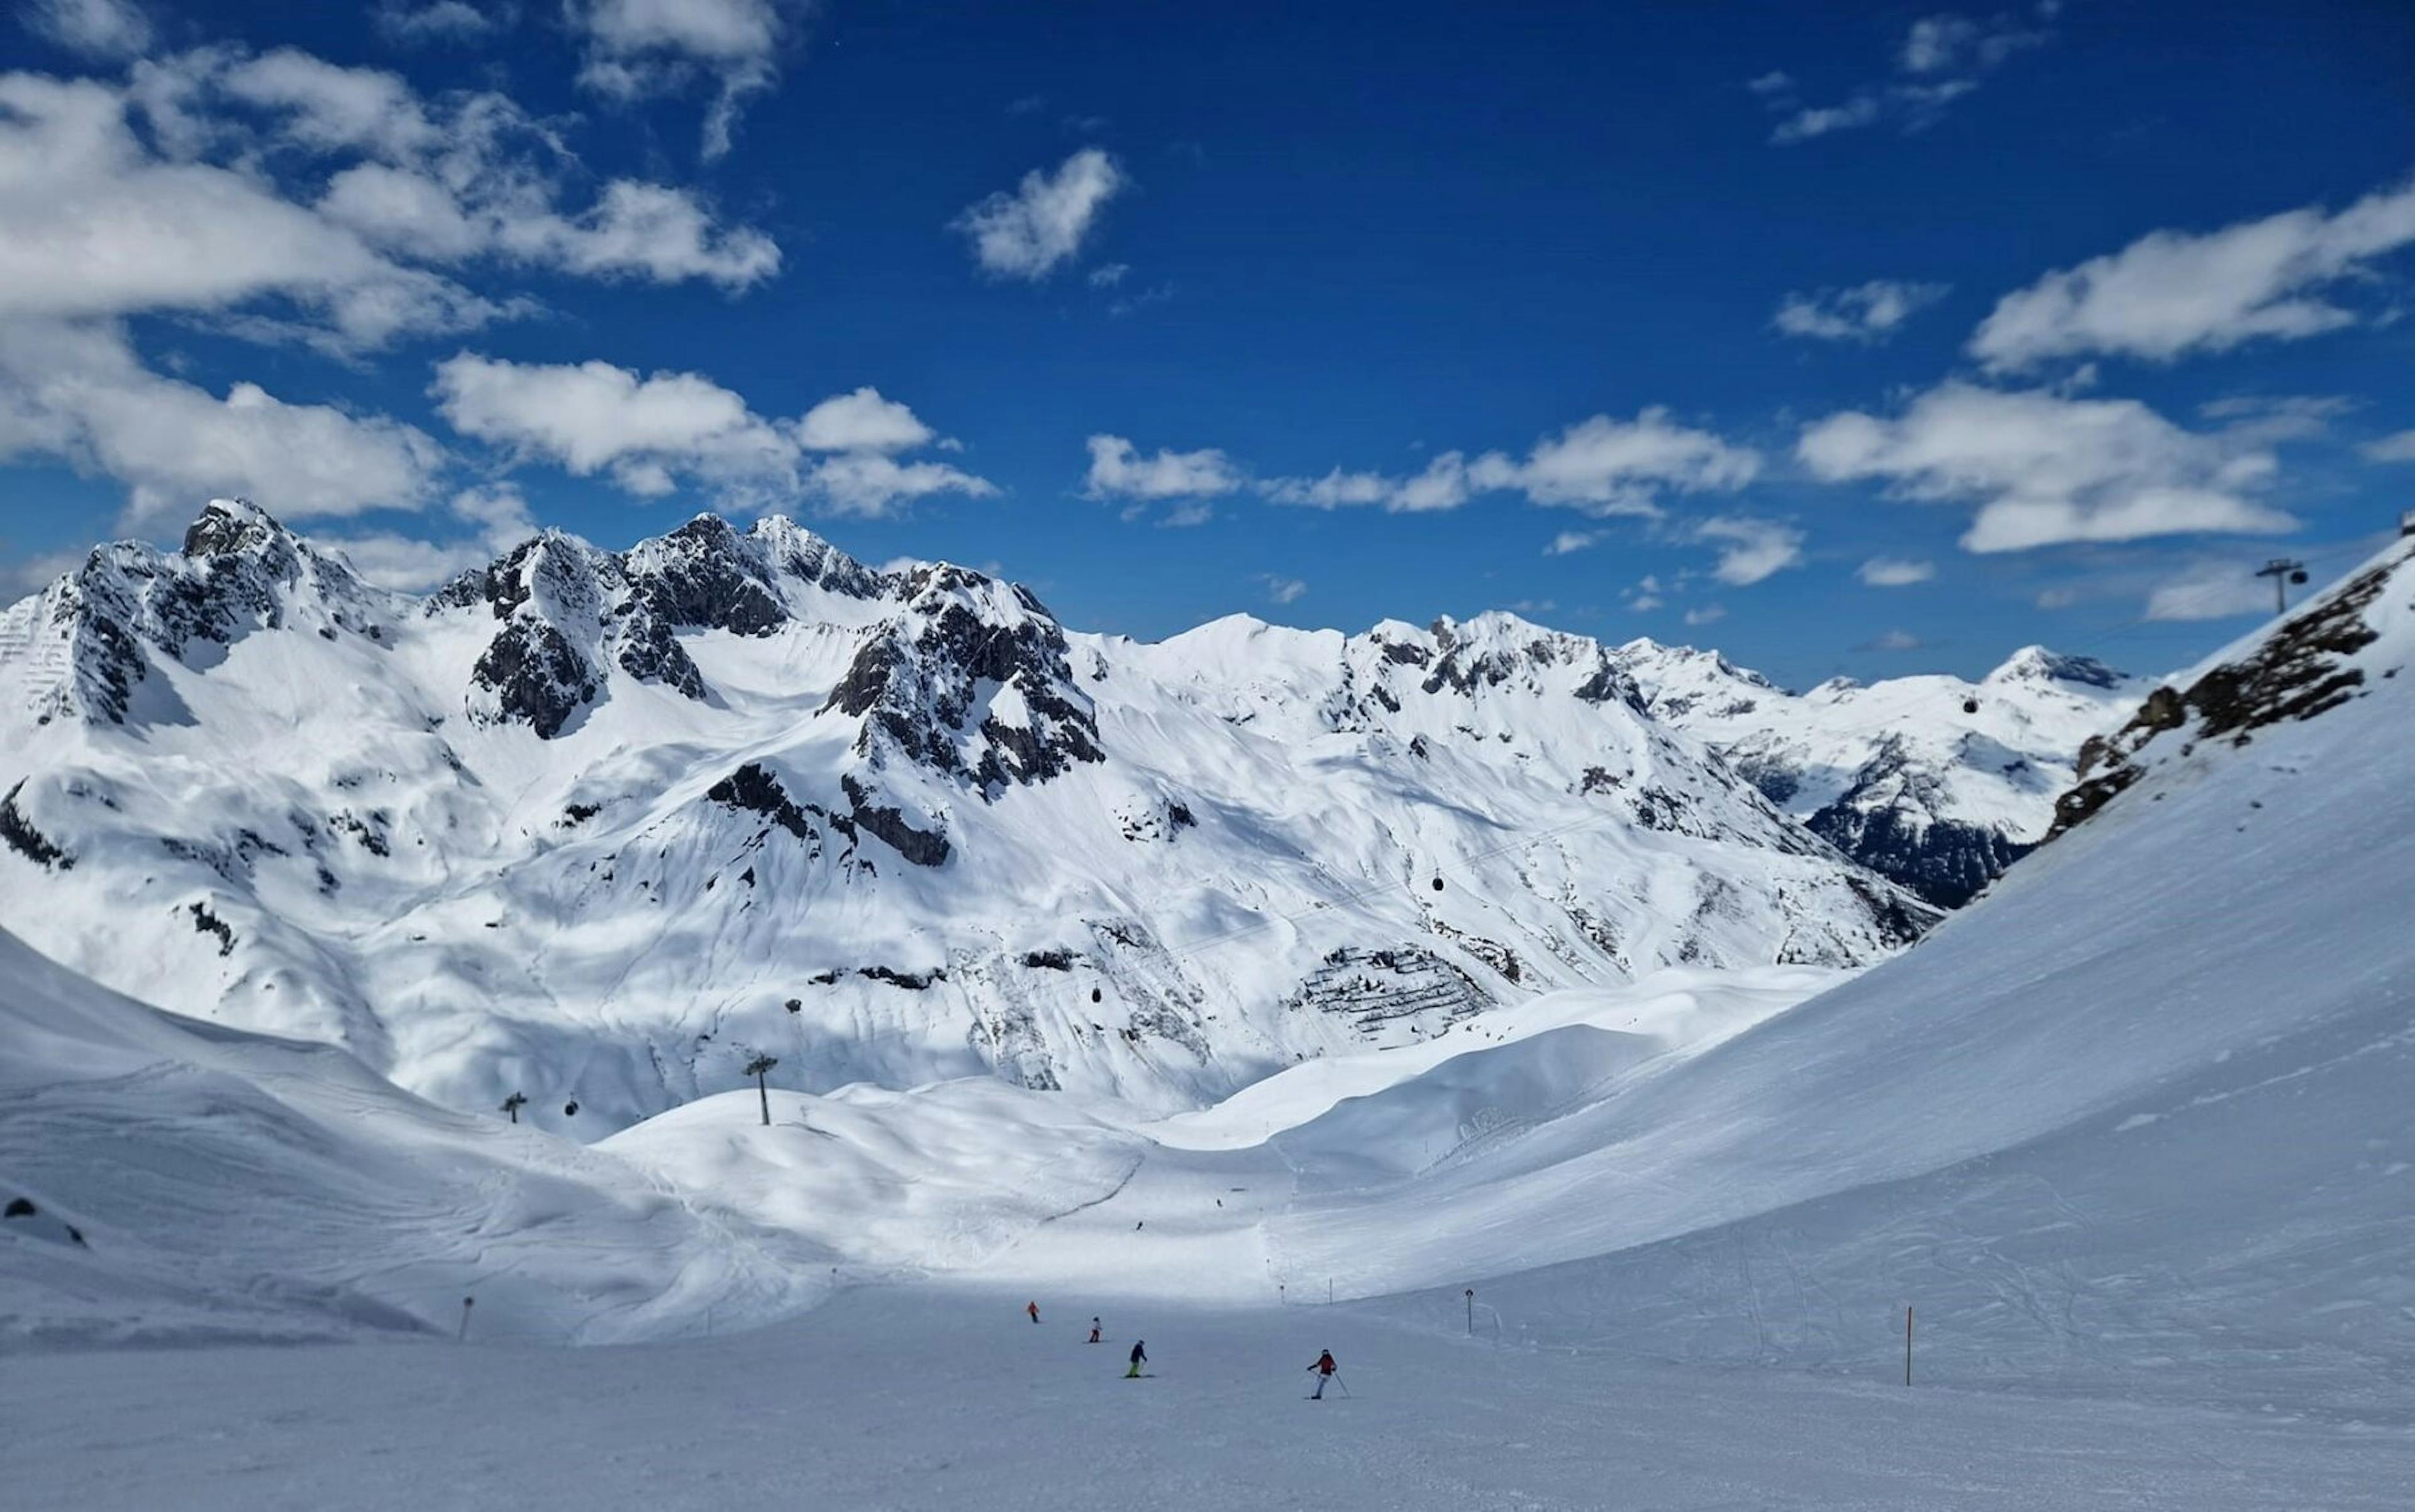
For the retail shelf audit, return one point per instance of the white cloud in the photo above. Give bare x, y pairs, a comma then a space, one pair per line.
1866, 312
1117, 470
862, 422
2210, 590
1182, 517
2056, 598
2397, 448
1706, 614
2044, 468
96, 28
1599, 466
1776, 82
392, 560
1030, 233
1821, 120
1892, 640
76, 392
649, 434
104, 221
1932, 48
1935, 44
1750, 549
443, 21
1620, 467
1571, 541
1107, 275
1283, 589
873, 484
1895, 572
2171, 293
636, 48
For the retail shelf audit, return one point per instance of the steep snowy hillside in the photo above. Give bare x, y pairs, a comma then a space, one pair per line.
1933, 782
600, 827
166, 1182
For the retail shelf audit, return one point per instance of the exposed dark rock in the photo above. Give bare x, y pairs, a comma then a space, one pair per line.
754, 789
536, 676
911, 981
206, 923
17, 833
652, 654
1049, 960
922, 848
1942, 861
2294, 674
704, 576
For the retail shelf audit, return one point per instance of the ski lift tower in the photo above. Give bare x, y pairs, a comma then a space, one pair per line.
2283, 571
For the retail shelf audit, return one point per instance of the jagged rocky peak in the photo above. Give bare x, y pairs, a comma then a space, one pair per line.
2035, 663
794, 551
1497, 648
2334, 650
239, 570
1675, 681
971, 679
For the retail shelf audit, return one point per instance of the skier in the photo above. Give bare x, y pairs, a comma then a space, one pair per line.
1094, 1330
1139, 1358
1033, 1308
1323, 1369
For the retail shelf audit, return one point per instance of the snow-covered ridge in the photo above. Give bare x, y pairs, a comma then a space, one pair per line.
600, 825
1936, 782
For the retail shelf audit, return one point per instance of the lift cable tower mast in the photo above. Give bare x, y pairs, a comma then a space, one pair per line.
2283, 571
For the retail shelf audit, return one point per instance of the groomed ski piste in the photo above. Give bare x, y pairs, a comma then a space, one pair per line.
2135, 1134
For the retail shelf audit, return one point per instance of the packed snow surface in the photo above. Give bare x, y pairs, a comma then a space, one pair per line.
946, 1400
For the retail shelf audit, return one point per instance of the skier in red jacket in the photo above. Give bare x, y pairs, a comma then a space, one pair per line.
1033, 1308
1323, 1369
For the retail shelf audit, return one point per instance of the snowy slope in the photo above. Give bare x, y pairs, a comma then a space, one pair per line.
174, 1182
599, 827
1936, 782
2137, 1122
2142, 1117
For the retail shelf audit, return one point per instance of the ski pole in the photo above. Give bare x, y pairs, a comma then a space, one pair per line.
1344, 1385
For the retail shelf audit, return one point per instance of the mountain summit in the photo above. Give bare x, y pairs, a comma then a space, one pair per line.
599, 825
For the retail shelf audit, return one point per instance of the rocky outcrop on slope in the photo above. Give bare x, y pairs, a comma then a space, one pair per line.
2304, 670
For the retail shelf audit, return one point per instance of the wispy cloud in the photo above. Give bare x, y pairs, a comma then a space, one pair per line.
1939, 59
1895, 572
1040, 226
1283, 589
1868, 312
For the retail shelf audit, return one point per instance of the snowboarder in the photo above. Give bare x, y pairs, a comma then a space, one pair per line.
1139, 1358
1033, 1308
1323, 1369
1094, 1330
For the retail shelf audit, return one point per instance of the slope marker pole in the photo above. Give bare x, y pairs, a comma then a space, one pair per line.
1907, 1343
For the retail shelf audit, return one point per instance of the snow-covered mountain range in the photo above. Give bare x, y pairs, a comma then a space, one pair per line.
1934, 782
2135, 1122
600, 827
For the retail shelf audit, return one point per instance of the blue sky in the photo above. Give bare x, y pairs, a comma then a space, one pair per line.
1849, 339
